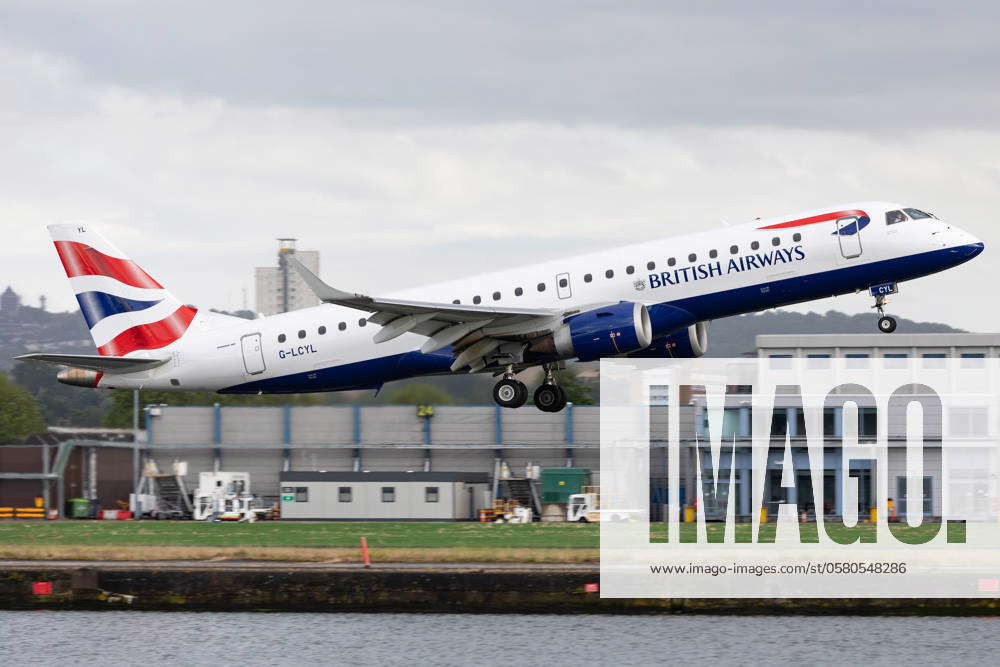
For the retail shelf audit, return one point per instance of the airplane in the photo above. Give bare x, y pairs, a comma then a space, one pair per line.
653, 299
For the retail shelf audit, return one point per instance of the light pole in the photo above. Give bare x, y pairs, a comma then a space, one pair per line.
136, 476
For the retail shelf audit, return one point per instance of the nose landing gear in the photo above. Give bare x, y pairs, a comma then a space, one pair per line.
886, 324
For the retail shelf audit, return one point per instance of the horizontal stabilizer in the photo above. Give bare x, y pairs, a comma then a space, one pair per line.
95, 362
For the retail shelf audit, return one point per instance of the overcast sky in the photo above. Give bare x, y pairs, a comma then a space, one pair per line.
416, 141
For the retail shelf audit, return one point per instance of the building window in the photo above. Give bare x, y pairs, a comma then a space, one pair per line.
362, 322
894, 360
344, 494
713, 253
388, 494
477, 299
755, 245
776, 241
650, 266
541, 287
518, 291
671, 261
934, 360
496, 296
629, 269
609, 274
302, 333
281, 338
301, 494
867, 422
431, 494
818, 360
857, 360
563, 282
321, 330
780, 360
796, 237
692, 257
928, 499
587, 277
342, 326
973, 360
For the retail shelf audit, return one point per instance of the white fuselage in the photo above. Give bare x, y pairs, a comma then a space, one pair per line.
711, 274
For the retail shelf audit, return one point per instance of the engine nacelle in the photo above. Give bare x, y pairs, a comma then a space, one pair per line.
79, 377
605, 332
684, 344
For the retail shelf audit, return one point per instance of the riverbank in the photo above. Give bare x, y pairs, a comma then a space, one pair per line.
432, 587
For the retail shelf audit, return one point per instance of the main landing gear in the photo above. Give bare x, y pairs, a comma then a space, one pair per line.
886, 324
512, 393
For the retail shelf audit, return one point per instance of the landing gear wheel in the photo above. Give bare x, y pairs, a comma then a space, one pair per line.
886, 324
550, 398
510, 393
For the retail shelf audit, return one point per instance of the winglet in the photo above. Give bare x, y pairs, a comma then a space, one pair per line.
323, 291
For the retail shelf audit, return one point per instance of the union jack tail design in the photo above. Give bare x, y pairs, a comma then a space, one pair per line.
125, 308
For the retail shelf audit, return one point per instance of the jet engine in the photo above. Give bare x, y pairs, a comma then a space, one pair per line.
687, 343
609, 331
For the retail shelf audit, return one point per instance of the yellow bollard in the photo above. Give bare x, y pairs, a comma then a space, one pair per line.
763, 515
873, 514
688, 514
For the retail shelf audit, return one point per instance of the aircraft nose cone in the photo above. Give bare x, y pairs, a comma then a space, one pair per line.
974, 249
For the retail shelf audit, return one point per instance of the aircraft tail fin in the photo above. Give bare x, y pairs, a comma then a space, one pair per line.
126, 309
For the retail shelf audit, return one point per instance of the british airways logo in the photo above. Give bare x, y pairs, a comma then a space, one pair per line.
853, 227
760, 260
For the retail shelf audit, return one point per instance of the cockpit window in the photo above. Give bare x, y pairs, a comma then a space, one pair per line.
892, 217
917, 214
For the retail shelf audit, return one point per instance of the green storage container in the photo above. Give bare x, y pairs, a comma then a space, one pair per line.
79, 508
558, 484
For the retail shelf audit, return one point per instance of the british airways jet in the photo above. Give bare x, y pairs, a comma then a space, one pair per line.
652, 299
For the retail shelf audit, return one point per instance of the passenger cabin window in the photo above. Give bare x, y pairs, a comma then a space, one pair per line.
302, 333
321, 330
281, 338
650, 266
563, 282
609, 274
518, 291
496, 296
344, 494
796, 237
692, 257
477, 299
754, 245
892, 217
541, 287
917, 214
342, 326
628, 269
587, 277
734, 250
457, 301
671, 261
388, 494
713, 253
431, 494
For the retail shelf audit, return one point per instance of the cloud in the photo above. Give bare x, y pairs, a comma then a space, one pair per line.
414, 145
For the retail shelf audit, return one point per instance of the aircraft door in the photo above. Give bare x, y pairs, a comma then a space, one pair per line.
253, 355
562, 286
849, 236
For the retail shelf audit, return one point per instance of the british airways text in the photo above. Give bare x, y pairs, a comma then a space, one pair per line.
758, 260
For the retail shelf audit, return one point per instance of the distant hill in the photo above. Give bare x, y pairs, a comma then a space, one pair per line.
735, 336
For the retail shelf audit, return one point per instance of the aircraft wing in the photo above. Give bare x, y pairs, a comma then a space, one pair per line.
94, 362
474, 331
